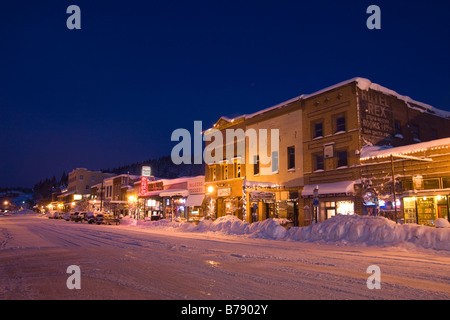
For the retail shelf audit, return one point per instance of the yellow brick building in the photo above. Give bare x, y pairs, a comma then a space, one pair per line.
325, 133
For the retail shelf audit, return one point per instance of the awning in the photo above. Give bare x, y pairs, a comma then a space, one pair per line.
194, 200
174, 193
346, 187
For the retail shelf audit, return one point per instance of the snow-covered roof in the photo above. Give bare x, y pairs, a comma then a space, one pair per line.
259, 184
372, 152
363, 84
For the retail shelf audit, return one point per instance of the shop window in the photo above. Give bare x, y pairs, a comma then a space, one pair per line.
291, 158
345, 207
330, 209
318, 162
341, 159
274, 161
431, 183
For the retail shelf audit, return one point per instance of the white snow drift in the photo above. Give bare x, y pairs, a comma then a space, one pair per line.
341, 229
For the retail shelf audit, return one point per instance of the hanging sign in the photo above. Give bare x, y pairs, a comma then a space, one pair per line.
144, 186
146, 172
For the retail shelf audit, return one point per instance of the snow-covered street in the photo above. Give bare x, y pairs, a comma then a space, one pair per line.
129, 262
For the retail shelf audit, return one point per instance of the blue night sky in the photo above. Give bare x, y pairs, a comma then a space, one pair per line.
113, 92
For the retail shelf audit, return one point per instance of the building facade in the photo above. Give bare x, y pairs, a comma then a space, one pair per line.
78, 191
319, 170
180, 199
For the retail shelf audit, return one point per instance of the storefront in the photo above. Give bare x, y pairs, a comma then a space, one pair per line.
194, 207
425, 209
329, 200
175, 204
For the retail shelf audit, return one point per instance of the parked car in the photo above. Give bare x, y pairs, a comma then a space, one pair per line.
78, 216
59, 215
106, 218
67, 216
89, 217
53, 215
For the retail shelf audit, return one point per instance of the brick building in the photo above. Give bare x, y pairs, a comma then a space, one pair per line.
325, 133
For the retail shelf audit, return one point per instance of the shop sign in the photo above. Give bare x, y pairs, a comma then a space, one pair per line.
223, 192
370, 197
146, 172
328, 151
417, 182
376, 114
196, 186
144, 185
409, 208
261, 196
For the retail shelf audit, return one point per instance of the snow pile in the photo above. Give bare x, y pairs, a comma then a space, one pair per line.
441, 223
230, 225
372, 231
341, 229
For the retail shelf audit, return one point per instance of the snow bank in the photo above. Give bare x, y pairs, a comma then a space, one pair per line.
441, 223
341, 229
231, 225
372, 231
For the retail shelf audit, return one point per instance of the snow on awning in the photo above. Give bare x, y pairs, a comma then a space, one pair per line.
346, 187
174, 193
195, 200
368, 152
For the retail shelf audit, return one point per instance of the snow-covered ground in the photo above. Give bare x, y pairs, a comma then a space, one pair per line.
222, 260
